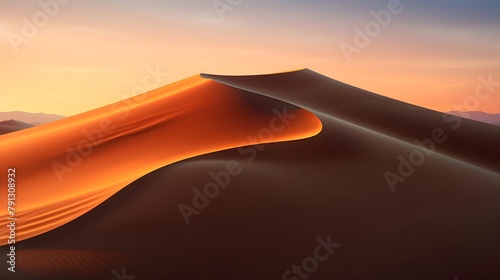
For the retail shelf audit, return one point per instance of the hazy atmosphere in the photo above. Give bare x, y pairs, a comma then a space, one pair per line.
68, 57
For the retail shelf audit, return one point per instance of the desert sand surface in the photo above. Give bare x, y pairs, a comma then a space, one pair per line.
69, 166
322, 176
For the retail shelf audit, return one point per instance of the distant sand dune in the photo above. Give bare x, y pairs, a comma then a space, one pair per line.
10, 125
31, 118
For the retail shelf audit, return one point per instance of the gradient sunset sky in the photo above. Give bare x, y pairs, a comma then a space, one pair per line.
92, 53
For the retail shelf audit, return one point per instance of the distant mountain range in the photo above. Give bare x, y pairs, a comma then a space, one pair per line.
31, 118
478, 116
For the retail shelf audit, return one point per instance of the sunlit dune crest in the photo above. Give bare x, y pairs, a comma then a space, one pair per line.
69, 166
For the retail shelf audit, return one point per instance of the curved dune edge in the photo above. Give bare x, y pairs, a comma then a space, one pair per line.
392, 118
67, 167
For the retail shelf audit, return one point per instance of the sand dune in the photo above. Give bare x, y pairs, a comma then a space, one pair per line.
441, 222
378, 113
10, 125
71, 165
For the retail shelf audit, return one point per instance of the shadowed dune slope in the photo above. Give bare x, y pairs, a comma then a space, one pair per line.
442, 221
67, 167
468, 140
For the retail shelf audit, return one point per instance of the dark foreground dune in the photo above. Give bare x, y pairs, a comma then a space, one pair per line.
439, 220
